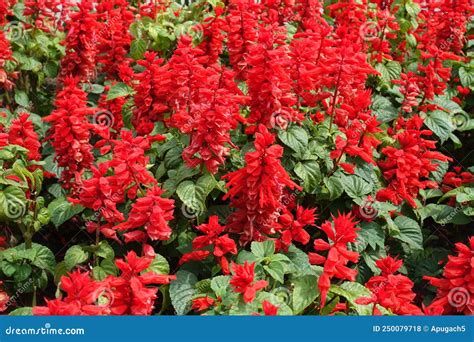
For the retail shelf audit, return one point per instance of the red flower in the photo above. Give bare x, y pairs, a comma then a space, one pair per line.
82, 294
242, 21
81, 43
152, 87
341, 232
455, 293
243, 281
152, 212
292, 227
392, 291
114, 36
269, 84
256, 190
130, 293
269, 309
5, 55
22, 133
410, 90
71, 131
4, 299
202, 303
408, 167
222, 245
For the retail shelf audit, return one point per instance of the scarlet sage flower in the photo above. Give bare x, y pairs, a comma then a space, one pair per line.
407, 167
153, 213
152, 87
390, 290
5, 55
242, 23
130, 293
4, 299
81, 43
202, 303
269, 309
243, 281
455, 290
221, 244
269, 84
70, 132
82, 294
292, 227
114, 36
340, 232
410, 91
256, 190
212, 120
22, 133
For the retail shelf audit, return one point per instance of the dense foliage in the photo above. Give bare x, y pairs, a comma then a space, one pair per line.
236, 157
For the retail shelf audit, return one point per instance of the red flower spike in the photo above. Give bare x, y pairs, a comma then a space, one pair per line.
256, 190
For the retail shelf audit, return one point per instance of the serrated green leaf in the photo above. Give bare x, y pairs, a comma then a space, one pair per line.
182, 291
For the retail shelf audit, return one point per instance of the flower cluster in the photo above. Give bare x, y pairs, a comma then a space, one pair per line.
455, 290
407, 167
391, 291
256, 190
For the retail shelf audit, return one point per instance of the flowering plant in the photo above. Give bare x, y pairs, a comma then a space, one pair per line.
236, 157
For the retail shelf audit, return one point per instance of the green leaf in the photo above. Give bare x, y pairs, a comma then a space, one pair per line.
466, 76
220, 285
263, 249
383, 109
74, 256
62, 210
389, 71
371, 234
194, 195
334, 186
295, 137
410, 232
310, 173
159, 265
21, 98
352, 291
119, 90
42, 257
440, 123
304, 293
137, 49
25, 311
355, 186
105, 251
300, 261
182, 291
276, 270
